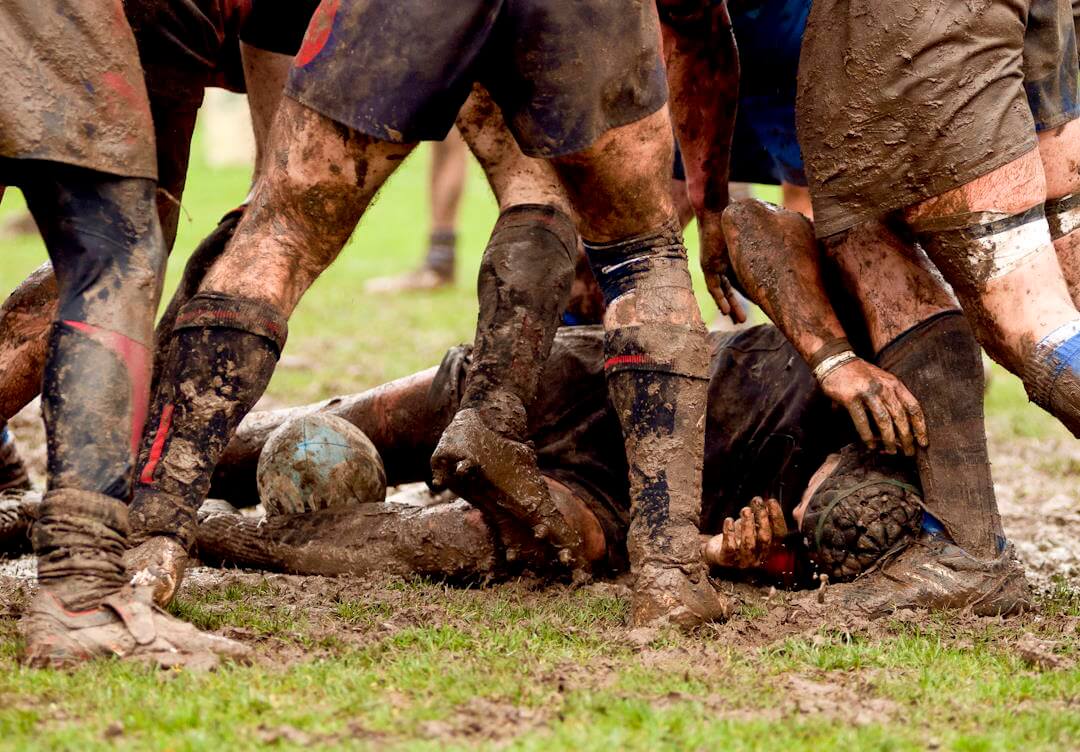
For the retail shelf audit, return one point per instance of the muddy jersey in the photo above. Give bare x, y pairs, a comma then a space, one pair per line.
769, 426
73, 91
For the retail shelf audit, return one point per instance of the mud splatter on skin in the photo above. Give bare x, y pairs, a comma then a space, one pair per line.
703, 75
619, 185
514, 177
774, 253
448, 540
320, 179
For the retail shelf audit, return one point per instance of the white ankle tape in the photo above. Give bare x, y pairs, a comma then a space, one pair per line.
984, 246
1004, 251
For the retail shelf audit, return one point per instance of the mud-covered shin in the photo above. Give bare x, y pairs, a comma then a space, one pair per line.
226, 350
657, 382
523, 287
939, 361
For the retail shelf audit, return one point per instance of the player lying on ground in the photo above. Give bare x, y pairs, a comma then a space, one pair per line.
771, 433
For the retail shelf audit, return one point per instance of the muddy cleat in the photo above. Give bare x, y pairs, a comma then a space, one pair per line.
497, 473
126, 625
670, 595
158, 563
933, 572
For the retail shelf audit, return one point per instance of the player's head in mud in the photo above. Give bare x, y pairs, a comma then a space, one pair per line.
858, 506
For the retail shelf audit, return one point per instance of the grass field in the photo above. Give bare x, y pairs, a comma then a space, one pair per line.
416, 664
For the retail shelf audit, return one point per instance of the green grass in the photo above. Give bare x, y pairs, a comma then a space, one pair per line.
419, 665
515, 668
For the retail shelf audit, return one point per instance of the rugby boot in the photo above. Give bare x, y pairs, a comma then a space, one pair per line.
126, 625
158, 563
934, 573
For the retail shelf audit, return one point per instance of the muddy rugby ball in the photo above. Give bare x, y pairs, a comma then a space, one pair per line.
318, 461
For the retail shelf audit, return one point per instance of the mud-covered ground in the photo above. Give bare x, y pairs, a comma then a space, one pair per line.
378, 662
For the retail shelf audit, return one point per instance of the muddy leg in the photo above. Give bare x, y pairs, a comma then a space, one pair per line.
921, 337
1060, 149
657, 359
228, 337
105, 242
991, 241
523, 287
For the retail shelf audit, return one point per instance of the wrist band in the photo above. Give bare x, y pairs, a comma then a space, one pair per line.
831, 363
832, 347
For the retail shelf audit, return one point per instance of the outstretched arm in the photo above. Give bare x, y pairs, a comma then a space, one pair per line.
778, 261
703, 76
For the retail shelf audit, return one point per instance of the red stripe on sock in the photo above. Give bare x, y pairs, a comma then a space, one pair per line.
164, 425
136, 359
622, 360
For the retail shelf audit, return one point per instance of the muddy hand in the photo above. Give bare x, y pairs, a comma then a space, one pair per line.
494, 474
717, 267
863, 388
748, 541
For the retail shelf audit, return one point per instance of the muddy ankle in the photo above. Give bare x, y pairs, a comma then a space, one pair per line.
499, 411
80, 538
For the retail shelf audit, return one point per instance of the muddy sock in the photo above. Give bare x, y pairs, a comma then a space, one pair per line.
1052, 375
441, 252
200, 261
524, 285
94, 404
228, 348
79, 539
940, 363
657, 382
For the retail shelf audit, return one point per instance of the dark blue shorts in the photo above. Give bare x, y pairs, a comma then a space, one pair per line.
563, 73
765, 148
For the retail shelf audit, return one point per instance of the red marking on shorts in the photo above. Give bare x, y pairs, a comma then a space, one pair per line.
147, 476
115, 82
625, 360
136, 359
318, 31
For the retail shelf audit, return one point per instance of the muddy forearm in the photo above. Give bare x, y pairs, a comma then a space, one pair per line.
778, 261
401, 418
25, 318
448, 540
703, 76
